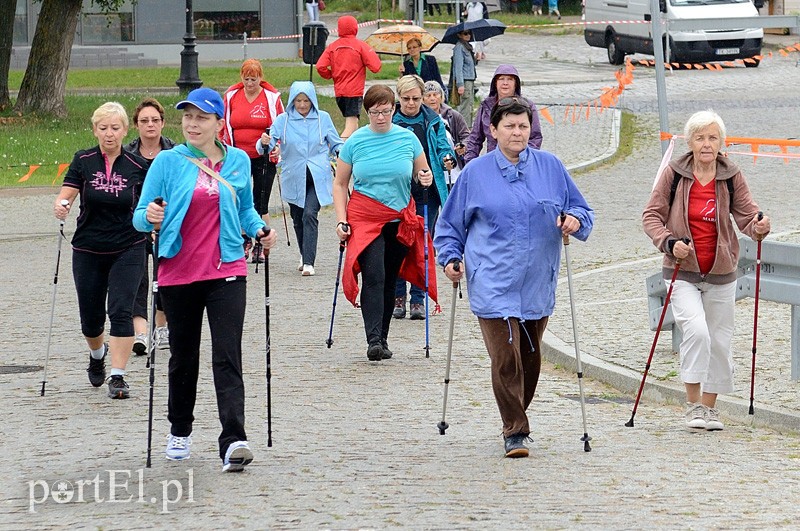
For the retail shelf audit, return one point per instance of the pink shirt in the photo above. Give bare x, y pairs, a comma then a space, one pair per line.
200, 258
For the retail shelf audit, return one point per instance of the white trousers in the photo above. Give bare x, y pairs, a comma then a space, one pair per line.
313, 11
705, 313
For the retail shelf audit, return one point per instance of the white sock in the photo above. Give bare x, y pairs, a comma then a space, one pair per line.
117, 372
98, 353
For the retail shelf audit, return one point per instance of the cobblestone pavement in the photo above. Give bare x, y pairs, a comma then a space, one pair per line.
356, 443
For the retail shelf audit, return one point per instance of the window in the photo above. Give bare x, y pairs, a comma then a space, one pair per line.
21, 23
98, 28
225, 21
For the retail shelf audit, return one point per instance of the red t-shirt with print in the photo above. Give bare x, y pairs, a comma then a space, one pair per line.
703, 223
249, 120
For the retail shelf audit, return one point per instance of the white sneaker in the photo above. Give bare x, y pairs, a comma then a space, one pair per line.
712, 419
178, 447
308, 270
695, 416
237, 457
300, 265
162, 338
140, 344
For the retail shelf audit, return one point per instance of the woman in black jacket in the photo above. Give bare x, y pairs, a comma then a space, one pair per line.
424, 66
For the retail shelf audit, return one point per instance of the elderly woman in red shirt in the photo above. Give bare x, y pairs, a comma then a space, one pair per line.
695, 198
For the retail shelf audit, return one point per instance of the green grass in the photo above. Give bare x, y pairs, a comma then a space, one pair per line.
281, 74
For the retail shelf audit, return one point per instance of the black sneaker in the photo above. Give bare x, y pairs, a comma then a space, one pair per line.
97, 368
515, 446
386, 352
117, 388
375, 352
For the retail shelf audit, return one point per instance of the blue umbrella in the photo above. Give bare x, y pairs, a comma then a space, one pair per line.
481, 29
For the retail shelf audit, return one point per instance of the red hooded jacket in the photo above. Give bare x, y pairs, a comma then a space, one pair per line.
345, 60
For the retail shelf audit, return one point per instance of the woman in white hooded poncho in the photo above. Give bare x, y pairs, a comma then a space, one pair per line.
307, 140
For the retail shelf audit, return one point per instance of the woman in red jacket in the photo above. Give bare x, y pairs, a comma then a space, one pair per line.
345, 60
250, 107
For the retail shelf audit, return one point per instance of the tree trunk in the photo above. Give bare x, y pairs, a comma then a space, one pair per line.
45, 81
7, 11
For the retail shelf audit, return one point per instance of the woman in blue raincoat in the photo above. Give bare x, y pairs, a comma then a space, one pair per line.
503, 217
307, 140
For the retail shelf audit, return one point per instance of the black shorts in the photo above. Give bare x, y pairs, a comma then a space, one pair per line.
350, 106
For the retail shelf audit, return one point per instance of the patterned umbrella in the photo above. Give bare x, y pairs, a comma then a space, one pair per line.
392, 40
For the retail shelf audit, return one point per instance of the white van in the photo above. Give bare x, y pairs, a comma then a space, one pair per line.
684, 46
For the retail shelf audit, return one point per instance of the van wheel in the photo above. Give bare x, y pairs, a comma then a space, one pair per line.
615, 55
753, 64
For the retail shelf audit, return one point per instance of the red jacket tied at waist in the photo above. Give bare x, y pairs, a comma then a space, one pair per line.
367, 218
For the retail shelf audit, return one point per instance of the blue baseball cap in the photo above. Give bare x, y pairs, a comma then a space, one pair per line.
205, 99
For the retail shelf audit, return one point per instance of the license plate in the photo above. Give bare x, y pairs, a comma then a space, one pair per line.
727, 51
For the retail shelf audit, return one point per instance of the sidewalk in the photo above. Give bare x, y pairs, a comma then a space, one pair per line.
356, 443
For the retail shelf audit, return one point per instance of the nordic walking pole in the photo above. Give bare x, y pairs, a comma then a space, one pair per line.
443, 425
450, 187
280, 194
425, 247
151, 360
59, 237
342, 246
629, 424
565, 239
755, 316
266, 323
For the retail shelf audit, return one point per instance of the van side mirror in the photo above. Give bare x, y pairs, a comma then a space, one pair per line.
662, 5
758, 3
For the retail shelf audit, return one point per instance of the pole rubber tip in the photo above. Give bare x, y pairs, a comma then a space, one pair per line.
442, 427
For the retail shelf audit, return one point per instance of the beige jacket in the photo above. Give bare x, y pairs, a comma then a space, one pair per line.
663, 223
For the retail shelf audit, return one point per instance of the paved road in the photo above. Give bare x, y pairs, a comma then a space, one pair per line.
356, 444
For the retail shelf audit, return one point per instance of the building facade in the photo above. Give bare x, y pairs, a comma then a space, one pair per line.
156, 27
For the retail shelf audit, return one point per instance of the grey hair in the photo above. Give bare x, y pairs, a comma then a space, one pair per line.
406, 83
109, 109
703, 119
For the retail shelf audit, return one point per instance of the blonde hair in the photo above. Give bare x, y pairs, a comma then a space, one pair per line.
109, 109
703, 119
410, 82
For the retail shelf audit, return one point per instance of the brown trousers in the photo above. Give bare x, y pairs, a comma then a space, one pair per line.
515, 367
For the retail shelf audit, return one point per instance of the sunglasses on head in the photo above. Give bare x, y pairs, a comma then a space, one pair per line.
513, 100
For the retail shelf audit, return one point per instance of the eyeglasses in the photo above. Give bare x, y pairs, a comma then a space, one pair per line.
385, 113
144, 121
464, 33
408, 99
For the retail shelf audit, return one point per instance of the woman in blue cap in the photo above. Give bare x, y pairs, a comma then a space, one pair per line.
207, 205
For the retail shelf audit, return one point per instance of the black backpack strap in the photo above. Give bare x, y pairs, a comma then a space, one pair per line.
676, 178
729, 182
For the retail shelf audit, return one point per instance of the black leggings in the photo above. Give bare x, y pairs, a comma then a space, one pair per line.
224, 302
263, 178
140, 308
114, 276
380, 262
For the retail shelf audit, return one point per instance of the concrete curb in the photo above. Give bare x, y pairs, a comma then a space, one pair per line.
627, 381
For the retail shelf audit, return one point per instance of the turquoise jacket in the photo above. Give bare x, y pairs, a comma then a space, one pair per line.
306, 142
173, 176
438, 146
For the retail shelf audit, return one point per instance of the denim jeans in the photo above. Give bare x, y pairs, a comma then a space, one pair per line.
305, 222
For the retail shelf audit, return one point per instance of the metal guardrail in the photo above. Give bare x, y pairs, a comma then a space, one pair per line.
780, 282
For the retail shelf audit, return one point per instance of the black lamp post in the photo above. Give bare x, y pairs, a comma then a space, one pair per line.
190, 78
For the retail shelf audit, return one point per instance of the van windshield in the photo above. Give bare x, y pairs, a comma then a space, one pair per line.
705, 2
